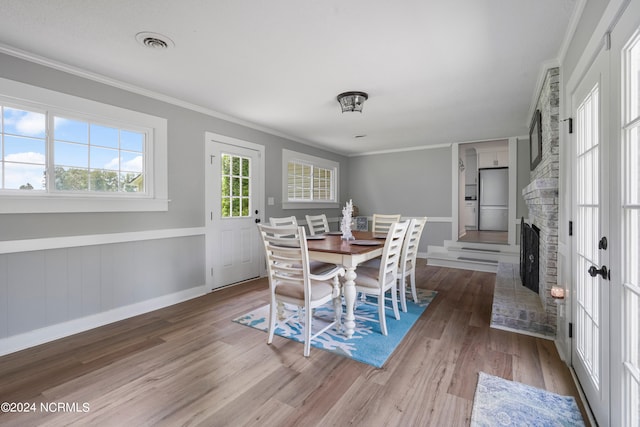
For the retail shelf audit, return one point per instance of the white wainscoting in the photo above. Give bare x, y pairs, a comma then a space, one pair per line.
55, 287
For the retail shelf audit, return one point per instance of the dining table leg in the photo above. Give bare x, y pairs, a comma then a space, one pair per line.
349, 301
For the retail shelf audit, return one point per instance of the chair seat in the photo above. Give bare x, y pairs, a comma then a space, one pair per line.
319, 290
367, 277
318, 268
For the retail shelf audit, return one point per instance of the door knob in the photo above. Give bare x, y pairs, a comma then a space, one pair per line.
604, 272
257, 220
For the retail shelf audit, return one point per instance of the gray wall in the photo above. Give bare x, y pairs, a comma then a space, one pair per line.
524, 176
523, 179
411, 183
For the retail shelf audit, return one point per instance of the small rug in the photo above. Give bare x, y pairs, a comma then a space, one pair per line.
367, 345
500, 402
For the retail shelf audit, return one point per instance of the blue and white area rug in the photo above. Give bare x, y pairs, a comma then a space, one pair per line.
367, 345
500, 402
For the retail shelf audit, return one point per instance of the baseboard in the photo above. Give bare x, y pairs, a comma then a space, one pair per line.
50, 333
583, 398
560, 351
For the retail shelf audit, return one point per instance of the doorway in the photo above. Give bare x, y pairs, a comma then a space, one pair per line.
483, 214
233, 205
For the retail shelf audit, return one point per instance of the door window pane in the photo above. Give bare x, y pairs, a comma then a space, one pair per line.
236, 186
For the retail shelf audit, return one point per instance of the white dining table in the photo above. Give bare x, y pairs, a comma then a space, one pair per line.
333, 249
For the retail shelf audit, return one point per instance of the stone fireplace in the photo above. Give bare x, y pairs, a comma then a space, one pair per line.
516, 307
541, 195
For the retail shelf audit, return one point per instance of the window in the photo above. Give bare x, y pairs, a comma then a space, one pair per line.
236, 186
60, 153
309, 181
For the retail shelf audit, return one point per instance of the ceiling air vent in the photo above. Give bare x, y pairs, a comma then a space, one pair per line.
154, 40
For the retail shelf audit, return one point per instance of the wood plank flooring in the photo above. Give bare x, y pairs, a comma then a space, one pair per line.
188, 364
481, 236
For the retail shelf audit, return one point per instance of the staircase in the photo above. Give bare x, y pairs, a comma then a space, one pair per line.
472, 256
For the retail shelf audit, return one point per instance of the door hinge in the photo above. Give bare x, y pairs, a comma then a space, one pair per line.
570, 330
570, 228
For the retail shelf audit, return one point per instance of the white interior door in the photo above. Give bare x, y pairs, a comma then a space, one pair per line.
590, 299
234, 188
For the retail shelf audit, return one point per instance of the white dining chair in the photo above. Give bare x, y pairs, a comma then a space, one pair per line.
407, 265
317, 267
287, 221
377, 282
317, 224
291, 282
381, 223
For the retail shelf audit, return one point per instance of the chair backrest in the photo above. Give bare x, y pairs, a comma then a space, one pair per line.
317, 224
287, 257
287, 221
381, 223
390, 258
411, 243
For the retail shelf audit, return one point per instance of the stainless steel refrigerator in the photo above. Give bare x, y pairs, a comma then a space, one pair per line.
493, 212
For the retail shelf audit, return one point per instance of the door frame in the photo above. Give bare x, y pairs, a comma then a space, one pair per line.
212, 141
598, 75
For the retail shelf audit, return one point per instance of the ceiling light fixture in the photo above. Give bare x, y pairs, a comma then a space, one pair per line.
154, 40
352, 101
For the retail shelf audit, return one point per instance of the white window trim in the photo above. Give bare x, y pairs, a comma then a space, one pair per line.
156, 177
287, 156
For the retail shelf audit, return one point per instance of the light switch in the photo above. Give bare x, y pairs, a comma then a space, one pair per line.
271, 201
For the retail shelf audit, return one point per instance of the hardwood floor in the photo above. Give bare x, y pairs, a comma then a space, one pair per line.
476, 236
188, 364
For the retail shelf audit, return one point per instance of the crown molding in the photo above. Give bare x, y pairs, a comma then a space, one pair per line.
99, 78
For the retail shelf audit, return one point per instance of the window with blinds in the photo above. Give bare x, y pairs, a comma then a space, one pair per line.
309, 180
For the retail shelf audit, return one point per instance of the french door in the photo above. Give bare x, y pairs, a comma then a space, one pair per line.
626, 356
590, 346
606, 173
233, 203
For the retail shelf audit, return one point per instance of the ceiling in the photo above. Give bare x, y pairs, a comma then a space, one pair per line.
436, 71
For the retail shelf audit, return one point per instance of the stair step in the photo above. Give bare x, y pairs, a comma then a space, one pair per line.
451, 260
488, 261
466, 248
